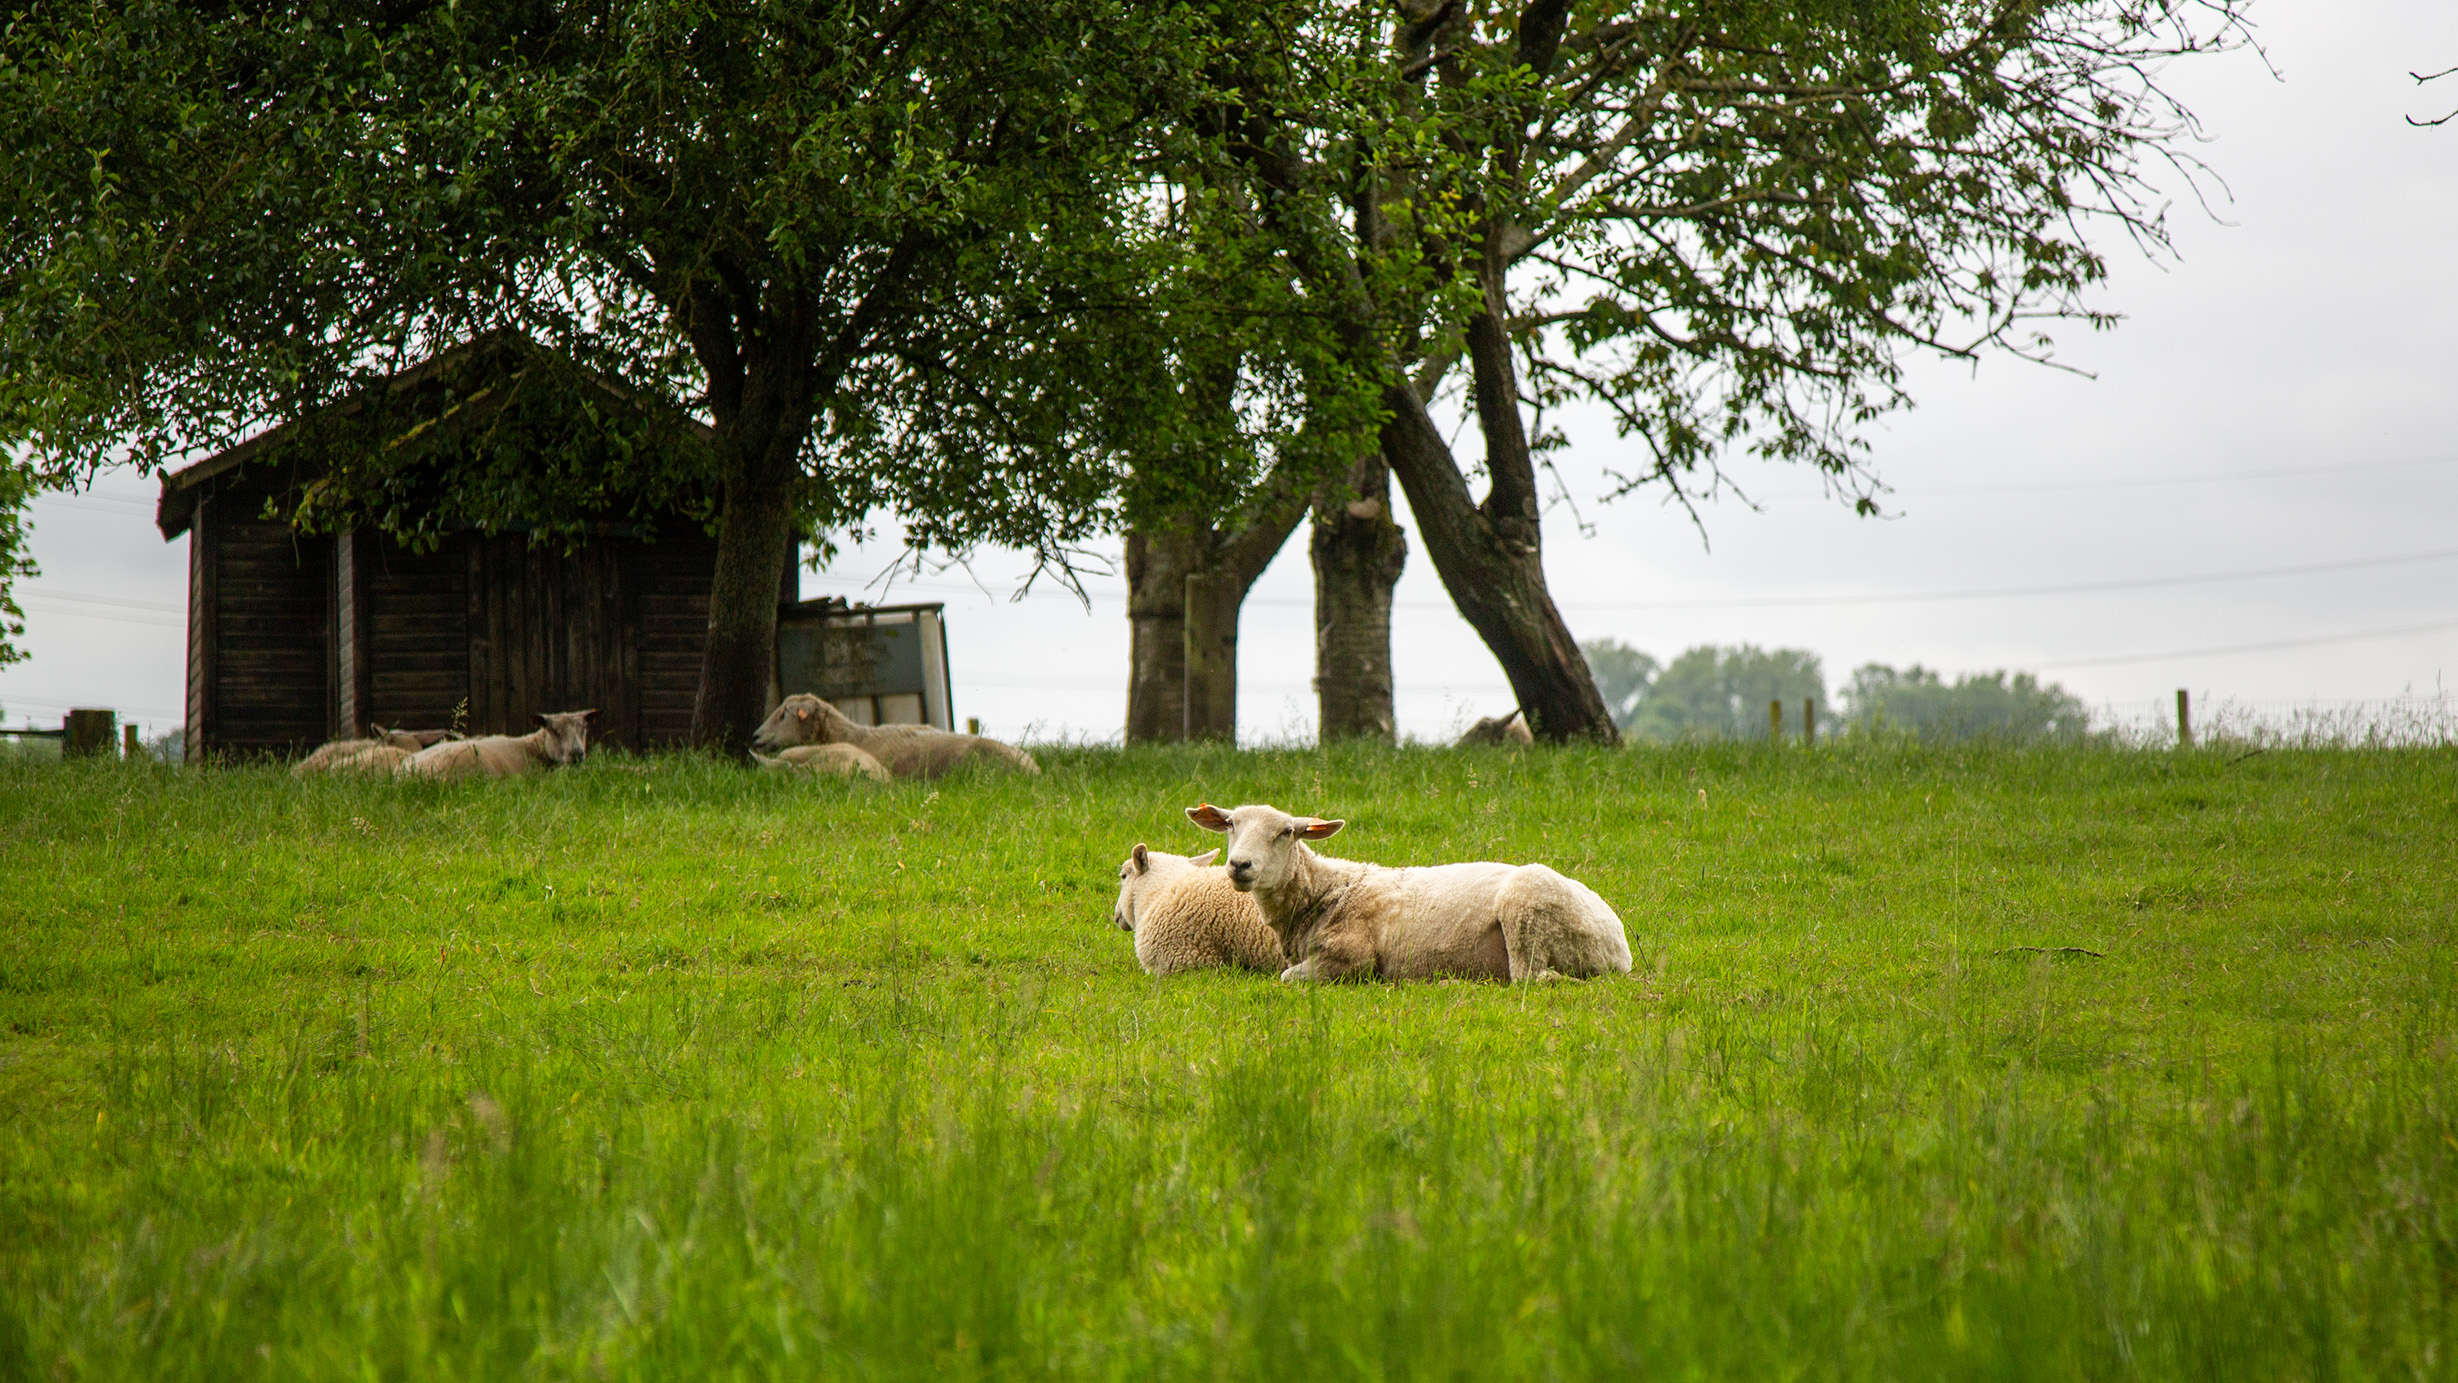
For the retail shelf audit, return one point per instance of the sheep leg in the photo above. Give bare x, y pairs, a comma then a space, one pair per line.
1338, 958
1551, 928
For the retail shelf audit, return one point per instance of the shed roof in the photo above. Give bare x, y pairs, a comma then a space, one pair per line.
175, 511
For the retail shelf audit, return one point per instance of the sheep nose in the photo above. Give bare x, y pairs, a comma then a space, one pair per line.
1241, 868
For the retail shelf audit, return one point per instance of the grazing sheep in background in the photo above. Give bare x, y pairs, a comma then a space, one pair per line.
907, 751
1341, 919
363, 756
1510, 731
836, 760
1186, 915
561, 738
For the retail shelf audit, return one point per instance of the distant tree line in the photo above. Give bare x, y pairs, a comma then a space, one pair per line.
1720, 693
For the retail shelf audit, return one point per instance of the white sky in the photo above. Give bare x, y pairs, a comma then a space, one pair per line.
2315, 326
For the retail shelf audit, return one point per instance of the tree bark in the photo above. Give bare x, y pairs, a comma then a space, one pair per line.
1490, 556
1358, 553
1212, 599
1190, 580
1158, 561
738, 664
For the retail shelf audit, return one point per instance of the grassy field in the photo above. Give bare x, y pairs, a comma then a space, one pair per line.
663, 1070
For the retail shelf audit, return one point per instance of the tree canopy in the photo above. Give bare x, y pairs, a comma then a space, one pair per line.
778, 216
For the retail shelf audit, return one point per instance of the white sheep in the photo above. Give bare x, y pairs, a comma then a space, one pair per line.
907, 751
379, 754
837, 760
561, 738
1185, 915
1510, 731
1341, 919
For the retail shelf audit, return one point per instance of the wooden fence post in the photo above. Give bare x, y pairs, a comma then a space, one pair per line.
1775, 721
1809, 722
2184, 720
87, 733
130, 746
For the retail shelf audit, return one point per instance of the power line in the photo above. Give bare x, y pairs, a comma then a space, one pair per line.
2007, 592
48, 593
2265, 647
2203, 478
1888, 598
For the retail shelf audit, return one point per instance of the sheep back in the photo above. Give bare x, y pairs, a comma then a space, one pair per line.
1191, 919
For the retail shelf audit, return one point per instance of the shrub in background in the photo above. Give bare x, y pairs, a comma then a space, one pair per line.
2012, 706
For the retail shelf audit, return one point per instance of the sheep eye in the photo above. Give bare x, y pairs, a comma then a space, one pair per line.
1287, 831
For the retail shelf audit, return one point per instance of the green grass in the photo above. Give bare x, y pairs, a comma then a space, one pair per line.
666, 1070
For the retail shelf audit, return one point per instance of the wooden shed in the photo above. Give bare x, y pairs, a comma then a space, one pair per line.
295, 638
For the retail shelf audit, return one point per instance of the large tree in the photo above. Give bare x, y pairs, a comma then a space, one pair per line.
221, 218
1728, 223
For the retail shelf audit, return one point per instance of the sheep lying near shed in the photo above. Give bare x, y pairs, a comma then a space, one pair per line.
1185, 915
834, 760
1510, 731
906, 751
1341, 919
561, 738
380, 754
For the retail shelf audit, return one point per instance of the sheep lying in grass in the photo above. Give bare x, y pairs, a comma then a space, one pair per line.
834, 760
1185, 915
906, 751
561, 738
1340, 919
379, 754
1510, 731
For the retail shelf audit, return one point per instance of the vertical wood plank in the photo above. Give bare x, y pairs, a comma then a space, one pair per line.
483, 646
204, 622
626, 712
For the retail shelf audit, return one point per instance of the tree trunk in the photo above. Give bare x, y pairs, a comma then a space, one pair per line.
1490, 557
1177, 645
738, 664
1157, 566
1213, 596
1358, 552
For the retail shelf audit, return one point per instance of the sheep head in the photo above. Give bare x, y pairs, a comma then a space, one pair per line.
567, 734
802, 719
1145, 870
1264, 842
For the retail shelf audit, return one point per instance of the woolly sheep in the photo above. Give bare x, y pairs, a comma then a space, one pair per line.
906, 751
1341, 919
1185, 916
378, 754
836, 760
561, 738
1510, 731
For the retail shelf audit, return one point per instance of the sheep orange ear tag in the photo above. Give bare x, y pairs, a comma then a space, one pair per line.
1317, 829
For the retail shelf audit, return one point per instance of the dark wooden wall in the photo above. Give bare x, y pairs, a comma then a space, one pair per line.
293, 640
259, 672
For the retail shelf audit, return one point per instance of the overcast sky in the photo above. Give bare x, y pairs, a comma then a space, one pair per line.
2283, 394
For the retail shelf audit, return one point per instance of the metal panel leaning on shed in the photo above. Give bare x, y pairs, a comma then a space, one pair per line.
879, 664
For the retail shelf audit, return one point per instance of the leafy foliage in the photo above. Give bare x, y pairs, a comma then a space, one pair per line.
1982, 705
17, 487
1708, 693
1623, 675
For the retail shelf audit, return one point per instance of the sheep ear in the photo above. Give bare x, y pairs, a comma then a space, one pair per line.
1316, 828
1209, 817
589, 716
1205, 858
1143, 858
538, 716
